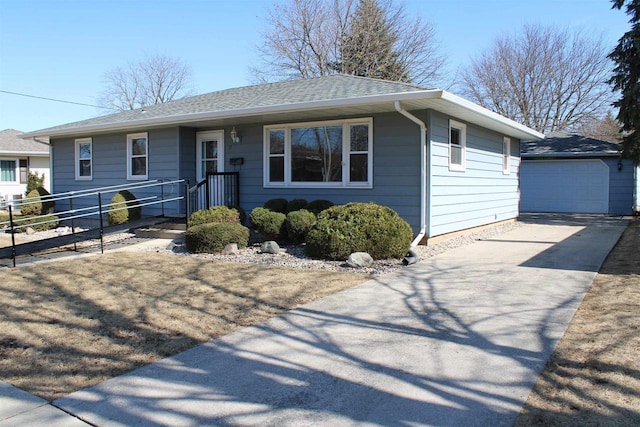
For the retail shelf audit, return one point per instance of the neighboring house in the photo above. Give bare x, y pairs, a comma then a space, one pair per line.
566, 172
442, 162
18, 157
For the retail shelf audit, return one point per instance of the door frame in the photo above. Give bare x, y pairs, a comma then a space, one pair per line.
210, 134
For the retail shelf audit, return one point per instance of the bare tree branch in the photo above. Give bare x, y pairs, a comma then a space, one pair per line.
306, 38
152, 80
546, 78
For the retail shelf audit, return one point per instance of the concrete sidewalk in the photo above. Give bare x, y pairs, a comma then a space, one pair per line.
456, 340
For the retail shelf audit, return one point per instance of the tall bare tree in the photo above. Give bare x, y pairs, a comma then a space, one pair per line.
546, 78
152, 80
606, 128
306, 38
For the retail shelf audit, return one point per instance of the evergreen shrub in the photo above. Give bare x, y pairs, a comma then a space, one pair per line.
317, 206
123, 208
296, 205
298, 224
359, 227
214, 214
277, 205
38, 203
269, 223
213, 237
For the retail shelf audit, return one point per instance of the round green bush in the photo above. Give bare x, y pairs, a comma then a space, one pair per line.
277, 205
359, 227
268, 222
38, 202
213, 237
317, 206
298, 224
123, 208
296, 205
214, 214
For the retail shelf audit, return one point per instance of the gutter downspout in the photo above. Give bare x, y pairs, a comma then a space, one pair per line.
423, 171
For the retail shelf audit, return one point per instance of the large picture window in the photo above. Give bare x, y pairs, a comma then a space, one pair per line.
84, 158
457, 145
137, 155
319, 154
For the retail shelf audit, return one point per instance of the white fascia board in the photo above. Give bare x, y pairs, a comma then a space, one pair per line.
25, 153
477, 109
241, 112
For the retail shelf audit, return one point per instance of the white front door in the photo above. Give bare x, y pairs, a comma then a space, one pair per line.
210, 153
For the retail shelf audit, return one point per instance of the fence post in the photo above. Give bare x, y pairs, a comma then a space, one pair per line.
187, 199
101, 223
13, 236
73, 226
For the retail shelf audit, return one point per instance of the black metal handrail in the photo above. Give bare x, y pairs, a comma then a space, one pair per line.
14, 224
217, 189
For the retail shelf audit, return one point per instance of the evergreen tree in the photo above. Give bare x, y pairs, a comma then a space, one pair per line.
368, 45
626, 79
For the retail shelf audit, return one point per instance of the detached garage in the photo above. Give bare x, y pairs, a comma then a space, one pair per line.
571, 173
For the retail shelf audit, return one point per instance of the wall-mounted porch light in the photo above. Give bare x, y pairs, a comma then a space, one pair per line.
235, 138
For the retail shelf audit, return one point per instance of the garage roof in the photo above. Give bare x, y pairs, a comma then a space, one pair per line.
567, 144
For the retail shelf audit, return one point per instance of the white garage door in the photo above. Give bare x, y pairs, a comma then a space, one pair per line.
574, 186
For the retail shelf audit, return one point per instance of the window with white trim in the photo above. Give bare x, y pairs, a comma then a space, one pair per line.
8, 171
457, 145
84, 159
506, 155
137, 155
336, 153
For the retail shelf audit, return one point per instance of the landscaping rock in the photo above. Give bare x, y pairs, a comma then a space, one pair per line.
360, 260
231, 249
29, 231
270, 247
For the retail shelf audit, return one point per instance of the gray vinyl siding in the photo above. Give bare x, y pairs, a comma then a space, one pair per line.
620, 186
109, 167
479, 195
396, 170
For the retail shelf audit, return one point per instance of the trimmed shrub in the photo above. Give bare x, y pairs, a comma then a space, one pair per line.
39, 203
34, 181
213, 237
268, 223
214, 214
277, 205
318, 206
298, 224
32, 220
123, 208
359, 227
296, 205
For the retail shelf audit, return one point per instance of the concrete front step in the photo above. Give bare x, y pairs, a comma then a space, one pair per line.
165, 230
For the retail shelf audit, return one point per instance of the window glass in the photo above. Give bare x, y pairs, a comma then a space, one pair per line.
457, 145
138, 151
24, 169
334, 153
316, 154
506, 153
7, 170
84, 159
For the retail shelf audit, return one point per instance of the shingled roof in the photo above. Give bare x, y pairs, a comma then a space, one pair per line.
290, 100
567, 144
11, 143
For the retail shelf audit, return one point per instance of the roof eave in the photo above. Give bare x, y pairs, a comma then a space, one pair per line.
242, 112
516, 129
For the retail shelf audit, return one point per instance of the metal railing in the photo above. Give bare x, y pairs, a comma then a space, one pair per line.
217, 189
87, 204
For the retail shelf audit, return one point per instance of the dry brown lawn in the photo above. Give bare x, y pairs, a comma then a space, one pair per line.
71, 324
593, 376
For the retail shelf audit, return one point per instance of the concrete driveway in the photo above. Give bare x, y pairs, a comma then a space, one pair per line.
456, 340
